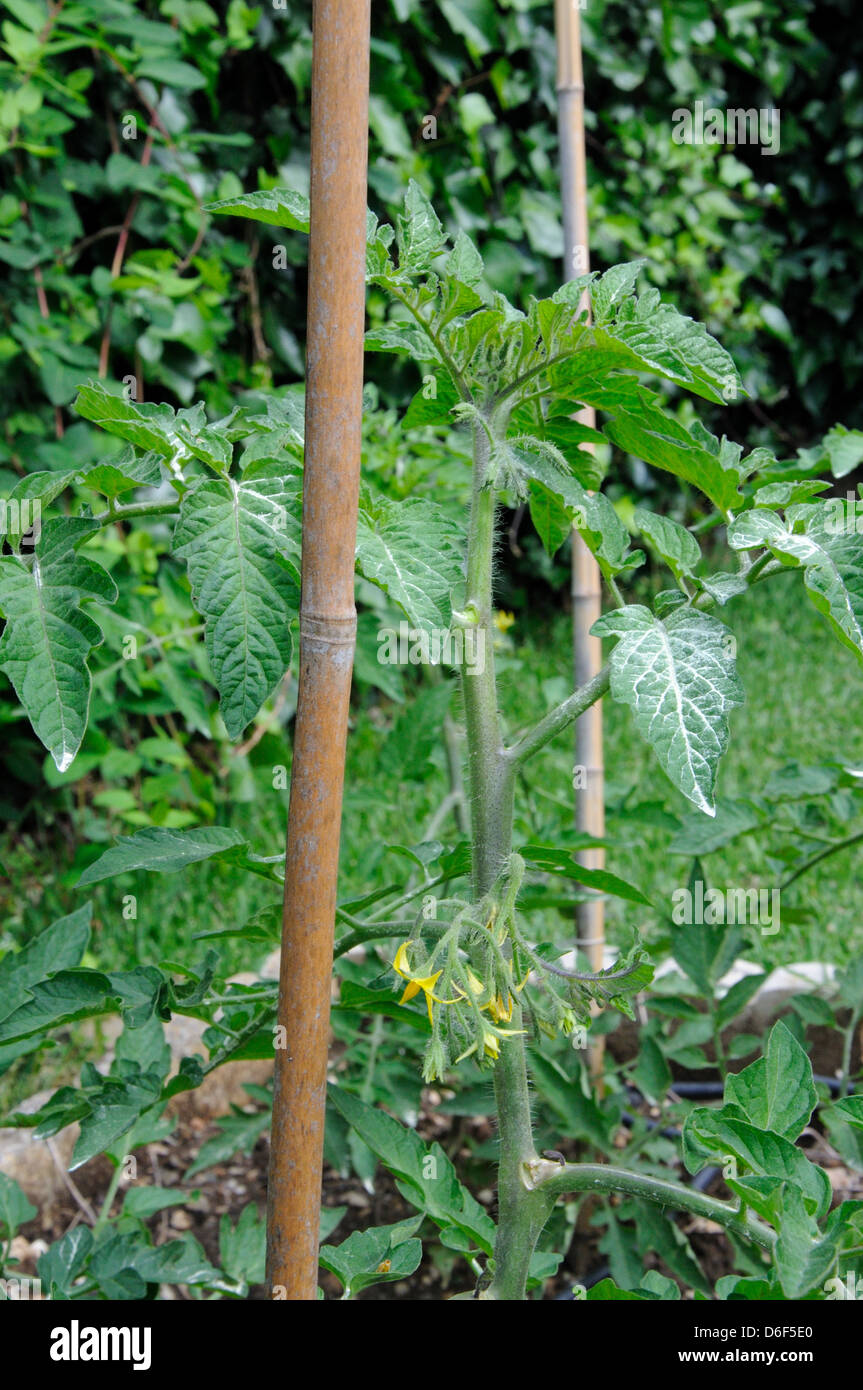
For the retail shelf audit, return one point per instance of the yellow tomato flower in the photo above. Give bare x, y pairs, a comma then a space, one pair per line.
503, 621
426, 983
491, 1042
500, 1010
476, 986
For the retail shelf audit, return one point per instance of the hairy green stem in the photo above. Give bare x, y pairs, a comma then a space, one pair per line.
527, 1184
492, 776
138, 509
521, 1213
542, 1176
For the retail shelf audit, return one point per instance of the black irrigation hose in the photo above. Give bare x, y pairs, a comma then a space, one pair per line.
708, 1090
688, 1090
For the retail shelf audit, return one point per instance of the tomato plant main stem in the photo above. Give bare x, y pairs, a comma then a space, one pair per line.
522, 1214
527, 1184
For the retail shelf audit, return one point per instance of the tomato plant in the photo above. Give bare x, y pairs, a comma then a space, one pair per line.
461, 943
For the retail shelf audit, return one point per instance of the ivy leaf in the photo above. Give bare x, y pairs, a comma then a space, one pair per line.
413, 551
236, 537
680, 682
776, 1091
48, 636
278, 207
161, 851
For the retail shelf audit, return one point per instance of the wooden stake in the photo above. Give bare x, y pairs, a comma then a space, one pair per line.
586, 587
336, 319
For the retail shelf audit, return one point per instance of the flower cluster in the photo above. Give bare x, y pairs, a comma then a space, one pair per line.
472, 973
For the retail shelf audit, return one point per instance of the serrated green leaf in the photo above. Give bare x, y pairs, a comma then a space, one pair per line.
844, 450
831, 554
663, 341
776, 1092
376, 1256
851, 1110
579, 1114
677, 547
612, 288
737, 997
148, 426
464, 262
237, 538
63, 1262
20, 514
238, 1133
679, 679
68, 995
592, 514
716, 1134
114, 479
665, 444
657, 1233
413, 551
803, 1257
704, 951
419, 234
15, 1209
243, 1247
161, 851
698, 836
563, 862
48, 636
427, 1176
60, 947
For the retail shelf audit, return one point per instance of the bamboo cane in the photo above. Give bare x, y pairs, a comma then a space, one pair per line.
586, 589
336, 317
